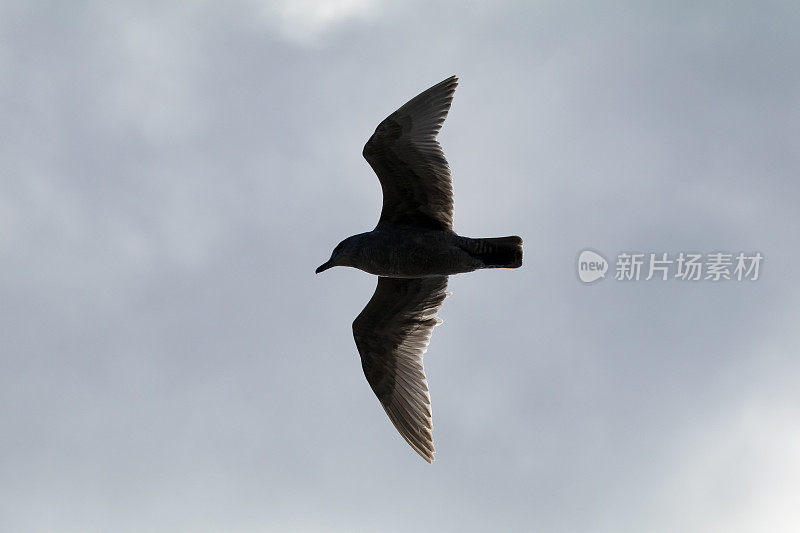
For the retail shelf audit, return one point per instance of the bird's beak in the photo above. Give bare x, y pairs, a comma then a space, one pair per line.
324, 266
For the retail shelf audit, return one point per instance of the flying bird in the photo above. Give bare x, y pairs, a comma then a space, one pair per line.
412, 250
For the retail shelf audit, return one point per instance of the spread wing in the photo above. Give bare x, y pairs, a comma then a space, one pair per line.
410, 164
392, 333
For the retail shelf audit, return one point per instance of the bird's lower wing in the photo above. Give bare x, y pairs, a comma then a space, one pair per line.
392, 334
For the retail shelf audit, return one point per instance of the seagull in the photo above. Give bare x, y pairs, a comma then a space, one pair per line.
412, 250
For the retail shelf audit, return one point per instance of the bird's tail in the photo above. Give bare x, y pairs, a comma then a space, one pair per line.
497, 252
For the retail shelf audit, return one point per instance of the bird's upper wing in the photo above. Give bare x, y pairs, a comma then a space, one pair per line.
392, 333
410, 164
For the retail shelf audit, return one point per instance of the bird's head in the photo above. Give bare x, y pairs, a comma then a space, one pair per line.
341, 255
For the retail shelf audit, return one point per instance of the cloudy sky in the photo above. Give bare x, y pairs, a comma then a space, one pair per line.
171, 175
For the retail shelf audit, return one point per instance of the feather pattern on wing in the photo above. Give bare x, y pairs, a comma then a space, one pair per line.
392, 334
410, 164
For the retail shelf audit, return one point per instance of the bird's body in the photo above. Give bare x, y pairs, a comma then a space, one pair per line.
415, 253
411, 253
412, 249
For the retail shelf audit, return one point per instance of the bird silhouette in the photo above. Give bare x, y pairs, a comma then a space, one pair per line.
413, 250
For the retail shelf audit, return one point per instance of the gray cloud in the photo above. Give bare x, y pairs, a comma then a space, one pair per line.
171, 175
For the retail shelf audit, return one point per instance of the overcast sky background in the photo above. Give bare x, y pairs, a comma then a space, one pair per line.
171, 175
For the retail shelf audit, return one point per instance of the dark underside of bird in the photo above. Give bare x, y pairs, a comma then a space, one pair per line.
412, 250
